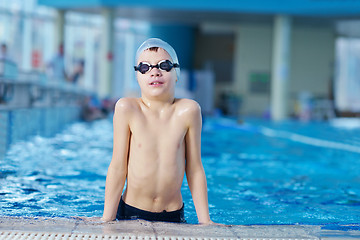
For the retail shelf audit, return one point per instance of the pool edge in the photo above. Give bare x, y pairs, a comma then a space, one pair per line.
77, 228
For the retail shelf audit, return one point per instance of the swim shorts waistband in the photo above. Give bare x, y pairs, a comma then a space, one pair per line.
127, 212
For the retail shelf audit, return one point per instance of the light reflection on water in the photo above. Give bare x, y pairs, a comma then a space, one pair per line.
60, 176
258, 173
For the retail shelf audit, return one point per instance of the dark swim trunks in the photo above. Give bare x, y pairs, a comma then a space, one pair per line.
127, 212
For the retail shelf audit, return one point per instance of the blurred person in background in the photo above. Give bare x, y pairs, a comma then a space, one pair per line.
78, 72
57, 66
3, 52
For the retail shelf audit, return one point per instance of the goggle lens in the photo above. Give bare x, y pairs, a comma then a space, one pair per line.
167, 66
143, 68
164, 65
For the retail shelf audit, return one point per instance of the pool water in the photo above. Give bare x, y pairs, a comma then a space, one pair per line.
258, 173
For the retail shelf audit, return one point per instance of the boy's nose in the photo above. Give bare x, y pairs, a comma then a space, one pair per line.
155, 72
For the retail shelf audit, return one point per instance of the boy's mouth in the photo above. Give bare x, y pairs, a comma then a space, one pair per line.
155, 83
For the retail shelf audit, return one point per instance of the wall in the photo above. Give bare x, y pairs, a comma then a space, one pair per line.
214, 53
312, 57
3, 132
253, 46
312, 53
20, 124
183, 45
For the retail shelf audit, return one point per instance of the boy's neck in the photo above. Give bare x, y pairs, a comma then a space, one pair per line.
156, 103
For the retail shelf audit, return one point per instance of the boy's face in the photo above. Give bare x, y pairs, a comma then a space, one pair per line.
156, 82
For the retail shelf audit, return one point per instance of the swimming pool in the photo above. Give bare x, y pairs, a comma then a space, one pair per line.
258, 173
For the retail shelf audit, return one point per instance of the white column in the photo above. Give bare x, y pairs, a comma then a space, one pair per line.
27, 45
130, 83
60, 29
238, 85
106, 53
280, 67
89, 74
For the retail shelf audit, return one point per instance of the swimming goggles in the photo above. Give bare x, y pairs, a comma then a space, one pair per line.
163, 65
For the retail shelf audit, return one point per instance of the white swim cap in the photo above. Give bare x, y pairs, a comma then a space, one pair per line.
157, 42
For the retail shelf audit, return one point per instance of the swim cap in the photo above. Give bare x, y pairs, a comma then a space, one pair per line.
157, 42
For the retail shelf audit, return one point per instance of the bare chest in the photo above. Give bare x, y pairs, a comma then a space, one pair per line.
153, 132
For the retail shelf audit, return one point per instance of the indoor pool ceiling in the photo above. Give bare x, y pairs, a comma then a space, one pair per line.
233, 11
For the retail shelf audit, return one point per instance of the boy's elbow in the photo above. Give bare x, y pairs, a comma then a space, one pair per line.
118, 169
195, 173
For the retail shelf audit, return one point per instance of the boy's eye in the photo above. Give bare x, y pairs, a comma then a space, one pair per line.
143, 68
166, 66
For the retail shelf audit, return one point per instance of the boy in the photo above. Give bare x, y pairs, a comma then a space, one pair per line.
156, 140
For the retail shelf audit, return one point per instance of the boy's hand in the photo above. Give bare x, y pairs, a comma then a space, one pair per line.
105, 220
211, 223
91, 219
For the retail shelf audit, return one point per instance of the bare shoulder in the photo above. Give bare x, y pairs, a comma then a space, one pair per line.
186, 102
188, 107
126, 105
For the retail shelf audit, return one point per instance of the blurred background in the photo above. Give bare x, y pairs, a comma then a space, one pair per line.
270, 59
278, 82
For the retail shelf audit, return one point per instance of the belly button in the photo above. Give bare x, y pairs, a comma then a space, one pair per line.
139, 145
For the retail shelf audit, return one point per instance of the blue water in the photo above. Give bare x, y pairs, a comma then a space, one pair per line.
258, 173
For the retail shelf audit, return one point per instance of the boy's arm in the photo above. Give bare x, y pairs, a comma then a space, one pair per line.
195, 173
117, 171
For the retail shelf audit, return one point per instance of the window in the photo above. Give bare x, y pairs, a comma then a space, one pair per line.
347, 77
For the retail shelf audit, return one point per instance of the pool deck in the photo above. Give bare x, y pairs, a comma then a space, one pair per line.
75, 228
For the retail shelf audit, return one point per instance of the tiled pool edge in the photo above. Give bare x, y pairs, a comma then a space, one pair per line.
61, 228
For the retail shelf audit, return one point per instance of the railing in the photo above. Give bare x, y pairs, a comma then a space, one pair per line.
32, 89
31, 104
